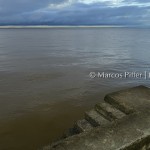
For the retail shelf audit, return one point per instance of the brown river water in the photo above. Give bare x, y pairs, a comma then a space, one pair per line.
44, 77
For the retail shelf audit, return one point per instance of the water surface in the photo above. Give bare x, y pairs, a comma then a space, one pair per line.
44, 77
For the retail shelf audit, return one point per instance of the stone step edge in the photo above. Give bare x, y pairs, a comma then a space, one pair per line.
82, 125
108, 111
97, 120
120, 106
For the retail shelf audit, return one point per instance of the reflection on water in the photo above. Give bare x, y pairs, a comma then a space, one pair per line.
44, 77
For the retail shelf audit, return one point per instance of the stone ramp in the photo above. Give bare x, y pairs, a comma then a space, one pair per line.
121, 121
131, 133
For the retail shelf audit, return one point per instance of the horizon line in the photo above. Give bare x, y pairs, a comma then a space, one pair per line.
58, 26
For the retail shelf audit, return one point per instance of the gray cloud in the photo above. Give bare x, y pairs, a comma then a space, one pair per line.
70, 12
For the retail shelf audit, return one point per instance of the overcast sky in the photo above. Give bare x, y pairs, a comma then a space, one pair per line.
75, 12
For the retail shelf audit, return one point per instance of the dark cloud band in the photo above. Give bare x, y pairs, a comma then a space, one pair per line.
70, 12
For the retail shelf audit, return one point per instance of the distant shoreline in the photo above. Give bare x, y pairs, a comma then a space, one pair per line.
44, 26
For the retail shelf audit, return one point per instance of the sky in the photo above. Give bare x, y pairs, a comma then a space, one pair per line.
75, 12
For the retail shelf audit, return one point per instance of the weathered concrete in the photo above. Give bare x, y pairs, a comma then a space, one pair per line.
95, 118
83, 125
108, 111
123, 124
130, 100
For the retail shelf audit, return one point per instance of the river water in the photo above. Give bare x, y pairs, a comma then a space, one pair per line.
44, 77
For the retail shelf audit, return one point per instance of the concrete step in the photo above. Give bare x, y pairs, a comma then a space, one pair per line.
83, 125
119, 105
70, 132
95, 118
129, 100
108, 111
130, 132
